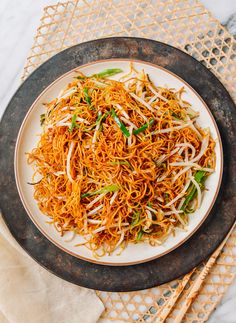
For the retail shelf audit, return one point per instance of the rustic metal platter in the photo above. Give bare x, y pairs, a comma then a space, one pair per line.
157, 271
133, 253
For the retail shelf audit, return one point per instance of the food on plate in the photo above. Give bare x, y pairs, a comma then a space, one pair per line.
120, 161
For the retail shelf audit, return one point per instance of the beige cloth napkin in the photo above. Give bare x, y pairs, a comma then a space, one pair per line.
30, 294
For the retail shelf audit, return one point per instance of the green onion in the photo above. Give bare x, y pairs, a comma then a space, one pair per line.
86, 96
199, 178
86, 195
149, 204
189, 197
119, 123
135, 218
176, 116
105, 115
108, 72
101, 118
139, 235
73, 123
143, 128
104, 190
42, 119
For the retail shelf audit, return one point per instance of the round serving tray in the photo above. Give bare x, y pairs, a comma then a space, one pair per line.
155, 272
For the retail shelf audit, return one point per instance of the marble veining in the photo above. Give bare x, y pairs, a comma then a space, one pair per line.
18, 23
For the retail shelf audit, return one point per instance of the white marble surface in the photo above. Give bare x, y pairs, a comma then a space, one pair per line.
18, 22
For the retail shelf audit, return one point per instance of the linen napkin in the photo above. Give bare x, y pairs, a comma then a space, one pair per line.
30, 294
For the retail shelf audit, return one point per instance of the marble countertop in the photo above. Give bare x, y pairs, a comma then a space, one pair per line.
18, 23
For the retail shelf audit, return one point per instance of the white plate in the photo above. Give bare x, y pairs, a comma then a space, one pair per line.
28, 137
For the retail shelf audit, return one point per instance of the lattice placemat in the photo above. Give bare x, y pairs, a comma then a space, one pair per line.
188, 25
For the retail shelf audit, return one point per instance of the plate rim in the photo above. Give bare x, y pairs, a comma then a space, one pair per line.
57, 244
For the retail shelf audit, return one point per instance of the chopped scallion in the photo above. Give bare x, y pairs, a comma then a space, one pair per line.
119, 123
135, 218
199, 178
108, 72
101, 118
104, 190
73, 123
86, 96
139, 235
144, 127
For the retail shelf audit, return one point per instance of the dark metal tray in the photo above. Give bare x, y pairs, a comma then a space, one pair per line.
166, 268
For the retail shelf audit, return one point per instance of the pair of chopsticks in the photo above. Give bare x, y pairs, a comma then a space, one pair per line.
192, 293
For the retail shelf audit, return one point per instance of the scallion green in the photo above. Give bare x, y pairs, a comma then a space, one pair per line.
143, 128
108, 72
119, 123
104, 190
86, 96
192, 191
73, 123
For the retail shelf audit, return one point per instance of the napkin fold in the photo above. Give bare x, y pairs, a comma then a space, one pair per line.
31, 294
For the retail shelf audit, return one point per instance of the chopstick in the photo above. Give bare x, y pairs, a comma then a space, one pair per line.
200, 279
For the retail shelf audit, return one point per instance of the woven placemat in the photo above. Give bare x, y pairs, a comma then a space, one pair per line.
187, 25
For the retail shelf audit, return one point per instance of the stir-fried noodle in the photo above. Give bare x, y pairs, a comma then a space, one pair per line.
120, 161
